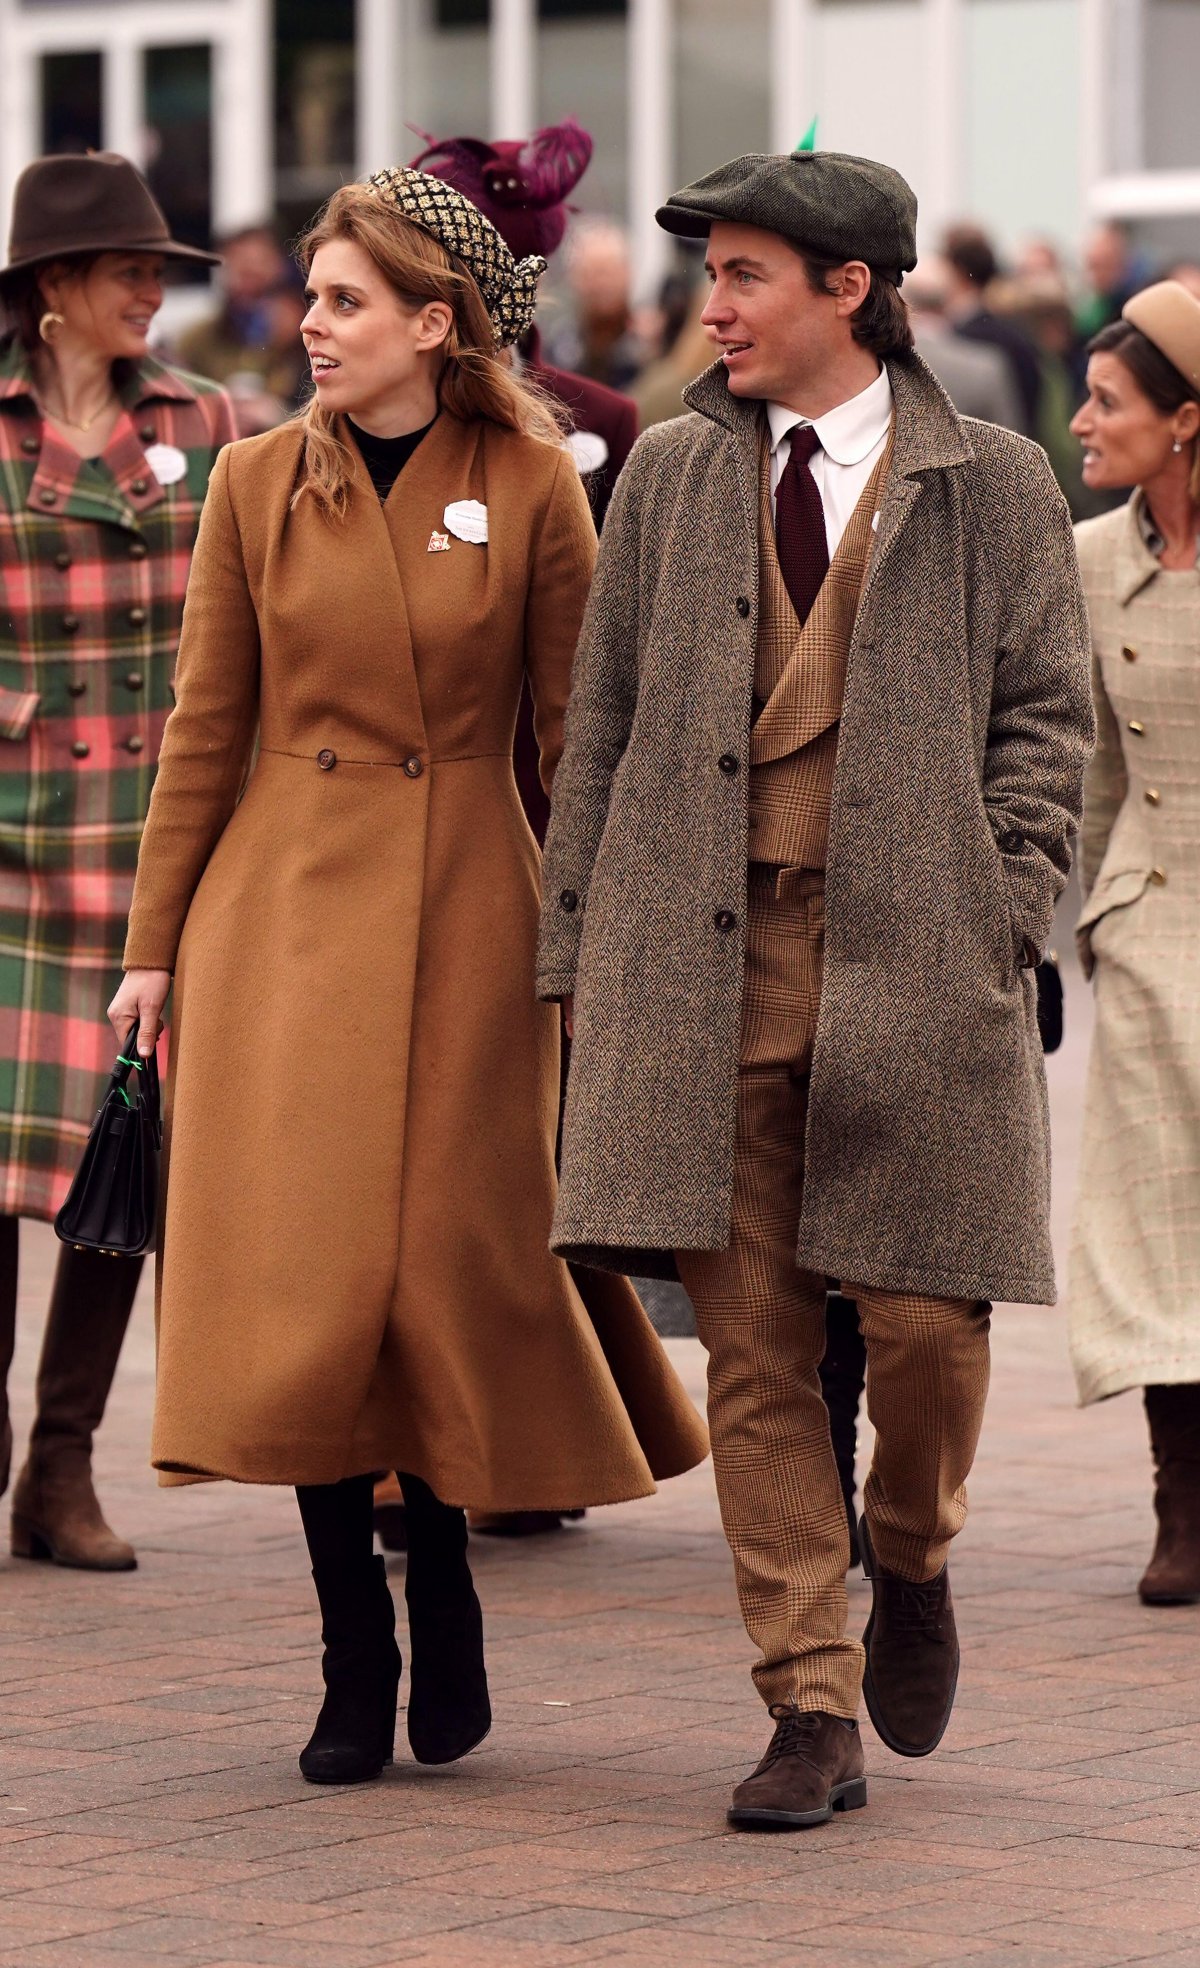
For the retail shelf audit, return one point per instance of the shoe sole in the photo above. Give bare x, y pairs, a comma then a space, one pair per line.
368, 1776
850, 1796
439, 1762
871, 1698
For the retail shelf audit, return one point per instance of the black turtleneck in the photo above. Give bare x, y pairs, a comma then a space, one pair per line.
386, 457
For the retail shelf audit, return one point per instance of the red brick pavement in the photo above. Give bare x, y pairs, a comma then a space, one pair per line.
151, 1812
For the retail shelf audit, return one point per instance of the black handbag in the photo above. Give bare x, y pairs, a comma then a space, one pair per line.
112, 1205
1048, 979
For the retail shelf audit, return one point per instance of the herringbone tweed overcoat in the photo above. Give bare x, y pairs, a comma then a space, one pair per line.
966, 727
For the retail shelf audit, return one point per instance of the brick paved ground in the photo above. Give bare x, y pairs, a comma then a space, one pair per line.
151, 1812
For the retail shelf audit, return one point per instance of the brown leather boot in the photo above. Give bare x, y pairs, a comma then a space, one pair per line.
55, 1512
912, 1656
812, 1768
1172, 1578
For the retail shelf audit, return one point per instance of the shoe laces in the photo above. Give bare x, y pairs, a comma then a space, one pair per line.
917, 1608
796, 1731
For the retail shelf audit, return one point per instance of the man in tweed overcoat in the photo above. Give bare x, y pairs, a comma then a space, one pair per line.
824, 759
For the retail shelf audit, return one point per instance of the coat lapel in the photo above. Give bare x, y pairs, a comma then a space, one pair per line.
1135, 563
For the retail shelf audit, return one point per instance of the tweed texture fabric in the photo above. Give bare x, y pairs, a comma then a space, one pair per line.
966, 724
799, 678
1134, 1282
850, 208
94, 560
375, 1290
763, 1323
508, 286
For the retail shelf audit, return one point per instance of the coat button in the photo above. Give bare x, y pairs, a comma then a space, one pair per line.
1152, 796
48, 496
134, 680
743, 606
31, 446
569, 901
725, 920
414, 766
326, 760
147, 433
70, 624
139, 486
62, 560
135, 742
81, 749
728, 764
137, 616
138, 550
1129, 654
1158, 877
1010, 842
1138, 729
77, 687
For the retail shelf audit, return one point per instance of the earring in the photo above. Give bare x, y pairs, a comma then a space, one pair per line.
51, 325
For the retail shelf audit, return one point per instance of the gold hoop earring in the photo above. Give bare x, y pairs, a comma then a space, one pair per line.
50, 326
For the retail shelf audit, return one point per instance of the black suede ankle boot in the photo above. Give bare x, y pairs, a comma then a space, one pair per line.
449, 1711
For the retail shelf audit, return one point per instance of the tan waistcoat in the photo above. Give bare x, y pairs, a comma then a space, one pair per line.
799, 679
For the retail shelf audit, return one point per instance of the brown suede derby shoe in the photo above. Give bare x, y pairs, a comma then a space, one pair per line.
912, 1656
812, 1768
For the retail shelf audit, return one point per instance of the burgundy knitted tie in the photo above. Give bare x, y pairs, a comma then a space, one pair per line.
800, 524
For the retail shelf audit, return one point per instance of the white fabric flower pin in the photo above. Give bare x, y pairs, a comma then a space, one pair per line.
467, 520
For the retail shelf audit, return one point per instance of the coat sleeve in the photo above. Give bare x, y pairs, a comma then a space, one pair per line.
1041, 729
209, 735
599, 720
564, 555
1104, 787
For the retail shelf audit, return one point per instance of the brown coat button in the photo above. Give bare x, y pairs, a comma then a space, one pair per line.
743, 606
138, 550
48, 496
62, 560
728, 764
31, 446
70, 624
1158, 877
326, 760
134, 680
81, 749
725, 920
77, 687
137, 616
135, 742
569, 901
414, 766
1152, 796
1129, 654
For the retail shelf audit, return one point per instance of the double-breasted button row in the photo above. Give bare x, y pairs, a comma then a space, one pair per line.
133, 681
135, 743
72, 624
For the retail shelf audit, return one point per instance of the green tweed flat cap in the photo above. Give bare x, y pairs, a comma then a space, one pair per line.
848, 208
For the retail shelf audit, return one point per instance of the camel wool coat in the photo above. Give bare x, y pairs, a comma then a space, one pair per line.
354, 1272
966, 726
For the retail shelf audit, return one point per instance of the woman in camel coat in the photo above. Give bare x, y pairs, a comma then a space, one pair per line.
355, 1272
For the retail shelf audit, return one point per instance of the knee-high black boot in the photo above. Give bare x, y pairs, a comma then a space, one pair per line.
449, 1711
356, 1729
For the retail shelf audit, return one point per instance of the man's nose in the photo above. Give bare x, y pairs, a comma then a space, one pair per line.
715, 311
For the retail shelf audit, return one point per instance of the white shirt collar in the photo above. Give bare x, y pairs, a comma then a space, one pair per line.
846, 433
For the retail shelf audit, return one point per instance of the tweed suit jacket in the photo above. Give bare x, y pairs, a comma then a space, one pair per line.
966, 726
800, 680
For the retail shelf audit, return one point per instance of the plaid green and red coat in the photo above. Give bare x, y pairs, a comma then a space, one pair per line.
94, 559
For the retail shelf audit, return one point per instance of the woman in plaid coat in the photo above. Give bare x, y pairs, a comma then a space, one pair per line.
104, 462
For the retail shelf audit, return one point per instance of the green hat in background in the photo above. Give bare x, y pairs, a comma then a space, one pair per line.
843, 208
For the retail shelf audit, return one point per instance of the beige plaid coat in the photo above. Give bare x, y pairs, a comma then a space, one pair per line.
965, 730
1133, 1295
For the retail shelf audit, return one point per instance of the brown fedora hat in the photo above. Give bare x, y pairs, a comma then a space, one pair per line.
93, 204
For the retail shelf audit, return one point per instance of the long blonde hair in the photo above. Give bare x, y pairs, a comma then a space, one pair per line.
475, 381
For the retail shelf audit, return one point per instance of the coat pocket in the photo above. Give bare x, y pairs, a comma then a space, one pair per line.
1115, 891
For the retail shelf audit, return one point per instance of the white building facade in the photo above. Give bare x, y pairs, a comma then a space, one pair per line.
1030, 115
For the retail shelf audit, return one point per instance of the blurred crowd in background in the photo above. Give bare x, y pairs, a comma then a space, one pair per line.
1007, 339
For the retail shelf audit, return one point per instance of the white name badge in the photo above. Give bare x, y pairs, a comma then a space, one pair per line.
589, 451
467, 520
167, 462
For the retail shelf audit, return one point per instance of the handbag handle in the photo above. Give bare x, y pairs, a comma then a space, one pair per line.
128, 1062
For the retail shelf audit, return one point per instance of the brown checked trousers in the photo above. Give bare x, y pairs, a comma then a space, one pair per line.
762, 1321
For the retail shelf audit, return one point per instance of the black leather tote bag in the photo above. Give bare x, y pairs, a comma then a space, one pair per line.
112, 1205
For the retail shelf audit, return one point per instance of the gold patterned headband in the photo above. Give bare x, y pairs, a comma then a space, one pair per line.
508, 286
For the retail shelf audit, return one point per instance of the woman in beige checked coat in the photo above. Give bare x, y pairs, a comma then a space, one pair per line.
1135, 1263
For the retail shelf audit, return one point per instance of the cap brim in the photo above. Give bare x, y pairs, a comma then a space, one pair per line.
166, 249
685, 221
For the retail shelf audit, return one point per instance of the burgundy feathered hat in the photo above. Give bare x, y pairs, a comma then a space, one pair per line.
520, 187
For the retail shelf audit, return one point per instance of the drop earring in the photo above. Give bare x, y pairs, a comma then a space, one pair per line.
50, 326
1177, 446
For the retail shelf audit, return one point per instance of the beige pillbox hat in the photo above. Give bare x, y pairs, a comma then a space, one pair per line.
1167, 315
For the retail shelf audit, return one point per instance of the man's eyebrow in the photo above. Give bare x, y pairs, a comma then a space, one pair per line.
738, 263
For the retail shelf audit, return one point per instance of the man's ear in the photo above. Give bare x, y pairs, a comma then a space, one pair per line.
850, 285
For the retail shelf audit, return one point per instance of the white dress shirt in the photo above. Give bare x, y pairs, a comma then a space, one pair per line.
851, 437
